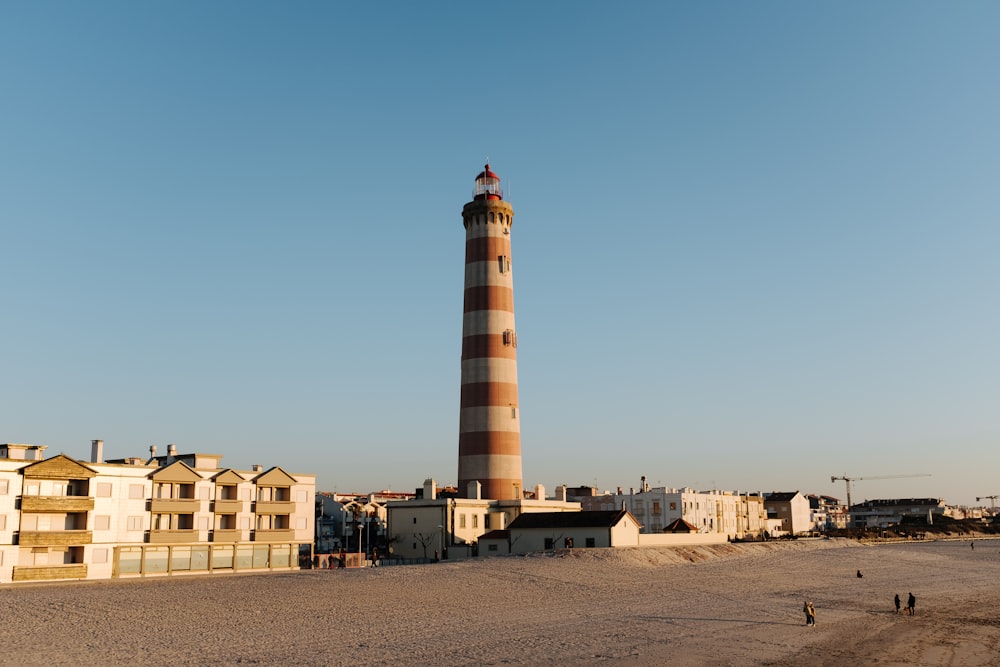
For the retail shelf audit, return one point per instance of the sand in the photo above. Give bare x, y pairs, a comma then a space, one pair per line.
722, 605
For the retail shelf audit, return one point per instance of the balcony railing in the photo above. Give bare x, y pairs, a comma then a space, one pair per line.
227, 506
276, 535
274, 507
57, 503
172, 536
226, 535
49, 572
54, 538
174, 505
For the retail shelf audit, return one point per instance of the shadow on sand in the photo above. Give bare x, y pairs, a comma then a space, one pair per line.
678, 619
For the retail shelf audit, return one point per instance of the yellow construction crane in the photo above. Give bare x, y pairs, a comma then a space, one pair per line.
993, 500
848, 481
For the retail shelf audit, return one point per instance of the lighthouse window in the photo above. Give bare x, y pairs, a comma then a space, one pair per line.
513, 412
504, 263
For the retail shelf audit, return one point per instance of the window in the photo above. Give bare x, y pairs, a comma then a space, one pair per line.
203, 493
656, 507
245, 494
135, 491
486, 522
103, 490
461, 521
3, 487
203, 523
591, 542
503, 262
549, 542
100, 555
3, 522
301, 496
475, 521
513, 412
31, 489
102, 522
135, 522
510, 338
491, 547
300, 523
414, 519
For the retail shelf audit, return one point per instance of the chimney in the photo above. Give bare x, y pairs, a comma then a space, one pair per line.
474, 490
171, 452
539, 492
561, 493
257, 467
97, 451
430, 489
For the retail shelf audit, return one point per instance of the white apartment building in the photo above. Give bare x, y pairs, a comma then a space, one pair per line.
737, 515
61, 518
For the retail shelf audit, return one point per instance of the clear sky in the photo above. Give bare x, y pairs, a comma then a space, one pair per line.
755, 245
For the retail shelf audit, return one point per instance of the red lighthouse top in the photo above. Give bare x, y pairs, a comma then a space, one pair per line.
487, 186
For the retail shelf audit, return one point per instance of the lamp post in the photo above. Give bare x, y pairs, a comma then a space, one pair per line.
361, 530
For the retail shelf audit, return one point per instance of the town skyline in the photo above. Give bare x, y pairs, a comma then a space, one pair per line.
755, 247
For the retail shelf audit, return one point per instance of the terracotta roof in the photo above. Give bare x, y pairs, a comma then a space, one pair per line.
680, 526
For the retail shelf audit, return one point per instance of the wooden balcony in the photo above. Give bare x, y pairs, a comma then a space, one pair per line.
54, 538
174, 505
278, 535
227, 506
57, 504
172, 536
274, 507
49, 572
226, 535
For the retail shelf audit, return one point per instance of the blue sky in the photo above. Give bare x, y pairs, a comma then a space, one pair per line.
755, 244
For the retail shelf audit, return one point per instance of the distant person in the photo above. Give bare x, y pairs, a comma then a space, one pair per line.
374, 557
436, 559
897, 602
972, 545
811, 614
805, 610
859, 574
911, 605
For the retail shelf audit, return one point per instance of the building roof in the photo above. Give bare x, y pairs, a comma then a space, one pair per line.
496, 535
593, 519
781, 496
680, 526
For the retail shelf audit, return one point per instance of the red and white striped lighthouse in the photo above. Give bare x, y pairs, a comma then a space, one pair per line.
489, 431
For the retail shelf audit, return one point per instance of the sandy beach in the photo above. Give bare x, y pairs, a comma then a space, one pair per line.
722, 605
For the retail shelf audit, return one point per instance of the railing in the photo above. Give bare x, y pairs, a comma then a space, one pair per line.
54, 538
227, 506
174, 505
56, 503
274, 507
49, 572
275, 535
172, 536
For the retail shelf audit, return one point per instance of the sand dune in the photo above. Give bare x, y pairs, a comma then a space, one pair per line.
713, 605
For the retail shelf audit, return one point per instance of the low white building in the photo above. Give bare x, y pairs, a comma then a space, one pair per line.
733, 514
451, 527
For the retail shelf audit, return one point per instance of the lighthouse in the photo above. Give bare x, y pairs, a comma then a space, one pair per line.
489, 431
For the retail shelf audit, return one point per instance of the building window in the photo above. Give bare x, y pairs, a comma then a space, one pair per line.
461, 521
203, 492
135, 522
3, 487
491, 547
591, 542
3, 522
414, 519
513, 412
549, 542
475, 521
135, 491
656, 507
102, 522
504, 263
31, 489
103, 490
100, 556
486, 522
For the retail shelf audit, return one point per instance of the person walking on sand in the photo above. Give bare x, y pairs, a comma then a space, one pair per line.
911, 605
896, 600
805, 610
811, 614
